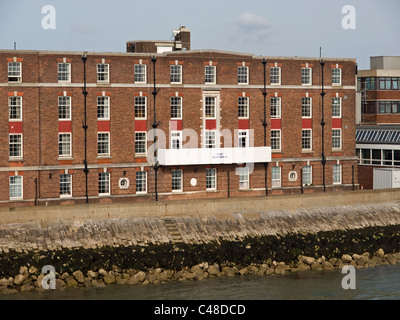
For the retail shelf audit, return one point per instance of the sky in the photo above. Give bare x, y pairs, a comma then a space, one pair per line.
260, 27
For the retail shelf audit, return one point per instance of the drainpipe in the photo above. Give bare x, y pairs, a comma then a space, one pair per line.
264, 123
85, 127
323, 161
155, 125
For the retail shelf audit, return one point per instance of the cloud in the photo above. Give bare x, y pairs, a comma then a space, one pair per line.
251, 28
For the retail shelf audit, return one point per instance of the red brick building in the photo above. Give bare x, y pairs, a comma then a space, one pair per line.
208, 108
378, 132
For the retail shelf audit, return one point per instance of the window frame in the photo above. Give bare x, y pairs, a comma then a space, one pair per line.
19, 77
143, 189
211, 179
98, 73
17, 107
335, 76
21, 185
243, 107
334, 114
141, 141
206, 139
60, 143
175, 135
139, 105
107, 183
275, 76
62, 72
274, 177
337, 172
304, 106
305, 76
279, 139
309, 174
212, 75
68, 108
174, 75
20, 143
335, 137
308, 138
178, 179
104, 106
68, 183
243, 172
176, 107
101, 143
276, 108
243, 134
243, 76
139, 74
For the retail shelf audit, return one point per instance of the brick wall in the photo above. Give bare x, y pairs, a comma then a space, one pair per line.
40, 122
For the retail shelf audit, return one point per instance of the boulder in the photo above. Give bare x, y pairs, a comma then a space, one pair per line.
380, 253
103, 272
23, 270
346, 258
109, 278
4, 282
326, 265
79, 276
229, 272
92, 274
19, 279
307, 260
71, 282
213, 269
140, 276
188, 275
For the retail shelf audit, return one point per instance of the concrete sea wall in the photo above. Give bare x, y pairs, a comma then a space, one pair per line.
176, 236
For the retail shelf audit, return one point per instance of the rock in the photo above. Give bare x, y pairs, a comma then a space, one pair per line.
27, 287
229, 272
167, 274
326, 265
356, 256
307, 260
140, 276
197, 270
301, 265
189, 275
120, 280
71, 282
213, 269
316, 266
23, 270
270, 270
380, 253
346, 258
64, 276
263, 269
109, 278
103, 272
92, 274
60, 285
243, 271
79, 276
87, 283
33, 270
133, 280
362, 261
4, 282
97, 283
19, 279
252, 269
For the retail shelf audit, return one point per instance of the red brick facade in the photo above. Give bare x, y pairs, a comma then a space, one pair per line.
41, 165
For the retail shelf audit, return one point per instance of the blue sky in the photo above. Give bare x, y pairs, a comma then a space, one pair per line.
261, 27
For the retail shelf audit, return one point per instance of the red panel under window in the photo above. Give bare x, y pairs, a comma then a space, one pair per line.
103, 126
337, 123
175, 125
15, 127
244, 124
306, 123
64, 126
211, 124
140, 125
276, 124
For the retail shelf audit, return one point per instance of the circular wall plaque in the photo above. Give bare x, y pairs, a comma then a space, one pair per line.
193, 182
292, 176
123, 183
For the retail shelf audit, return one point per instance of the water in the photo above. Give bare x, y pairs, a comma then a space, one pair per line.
380, 283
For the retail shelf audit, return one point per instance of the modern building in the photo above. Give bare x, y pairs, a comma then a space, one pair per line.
378, 130
79, 127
